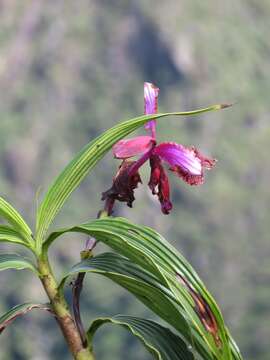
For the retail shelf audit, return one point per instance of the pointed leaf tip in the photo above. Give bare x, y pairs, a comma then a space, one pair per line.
224, 106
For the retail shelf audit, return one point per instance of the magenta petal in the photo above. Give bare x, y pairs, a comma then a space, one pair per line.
150, 98
151, 125
186, 162
150, 105
131, 147
179, 155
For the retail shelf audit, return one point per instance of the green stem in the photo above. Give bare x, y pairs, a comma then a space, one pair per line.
62, 313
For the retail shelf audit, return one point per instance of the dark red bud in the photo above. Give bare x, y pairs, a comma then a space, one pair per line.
159, 184
123, 186
155, 165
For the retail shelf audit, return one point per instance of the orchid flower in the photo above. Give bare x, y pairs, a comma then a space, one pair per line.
186, 162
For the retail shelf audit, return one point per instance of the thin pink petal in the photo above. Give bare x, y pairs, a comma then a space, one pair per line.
150, 98
179, 155
131, 147
186, 162
150, 105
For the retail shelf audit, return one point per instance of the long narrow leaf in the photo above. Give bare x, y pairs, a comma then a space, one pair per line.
147, 289
161, 342
18, 310
85, 160
14, 218
8, 234
148, 249
16, 262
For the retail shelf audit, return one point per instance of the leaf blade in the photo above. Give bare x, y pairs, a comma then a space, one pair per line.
17, 262
161, 342
146, 288
8, 234
11, 215
151, 251
18, 310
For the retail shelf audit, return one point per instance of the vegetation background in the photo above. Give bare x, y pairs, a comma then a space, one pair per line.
71, 69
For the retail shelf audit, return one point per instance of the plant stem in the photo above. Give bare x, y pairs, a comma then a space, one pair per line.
78, 284
62, 313
76, 292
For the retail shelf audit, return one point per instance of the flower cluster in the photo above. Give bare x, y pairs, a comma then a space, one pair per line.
186, 162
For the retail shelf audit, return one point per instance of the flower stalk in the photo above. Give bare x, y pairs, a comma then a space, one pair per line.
78, 283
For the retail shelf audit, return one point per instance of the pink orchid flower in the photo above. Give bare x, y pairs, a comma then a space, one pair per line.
186, 162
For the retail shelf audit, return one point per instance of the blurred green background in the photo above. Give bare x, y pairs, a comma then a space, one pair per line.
71, 69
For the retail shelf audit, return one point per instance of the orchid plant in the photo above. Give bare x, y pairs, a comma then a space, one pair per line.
141, 260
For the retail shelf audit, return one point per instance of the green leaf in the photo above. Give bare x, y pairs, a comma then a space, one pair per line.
16, 262
8, 234
85, 160
18, 310
146, 288
153, 253
161, 342
14, 218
